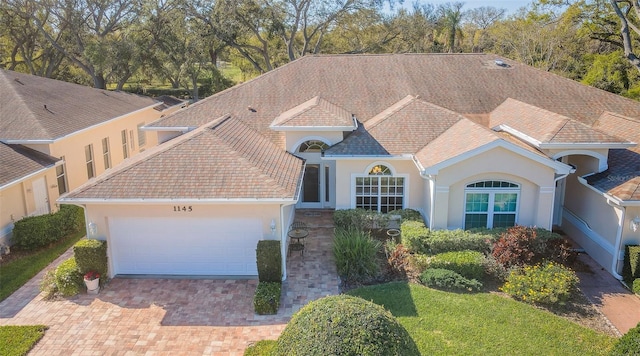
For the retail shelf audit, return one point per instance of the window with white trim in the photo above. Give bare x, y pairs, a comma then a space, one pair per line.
491, 204
379, 190
313, 146
88, 153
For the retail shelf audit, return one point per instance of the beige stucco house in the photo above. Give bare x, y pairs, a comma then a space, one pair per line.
56, 136
469, 140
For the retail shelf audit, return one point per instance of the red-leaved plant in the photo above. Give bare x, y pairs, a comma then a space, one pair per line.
91, 275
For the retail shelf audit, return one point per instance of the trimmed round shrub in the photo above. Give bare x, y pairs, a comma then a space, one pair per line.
548, 283
344, 325
516, 247
469, 264
441, 278
355, 254
628, 344
68, 278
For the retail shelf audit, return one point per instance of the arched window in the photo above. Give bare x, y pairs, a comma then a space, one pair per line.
313, 146
491, 204
379, 190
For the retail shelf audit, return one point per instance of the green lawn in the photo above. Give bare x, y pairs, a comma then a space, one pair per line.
15, 274
18, 340
443, 323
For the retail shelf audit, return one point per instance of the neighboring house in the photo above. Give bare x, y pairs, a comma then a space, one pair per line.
469, 140
56, 135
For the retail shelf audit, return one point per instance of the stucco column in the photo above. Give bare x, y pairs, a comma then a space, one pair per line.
441, 213
546, 202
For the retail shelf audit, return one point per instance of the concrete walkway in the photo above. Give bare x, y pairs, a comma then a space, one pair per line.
618, 304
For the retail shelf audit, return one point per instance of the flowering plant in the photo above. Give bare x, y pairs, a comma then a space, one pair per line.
91, 275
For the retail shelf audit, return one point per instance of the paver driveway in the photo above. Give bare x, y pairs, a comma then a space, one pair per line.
175, 316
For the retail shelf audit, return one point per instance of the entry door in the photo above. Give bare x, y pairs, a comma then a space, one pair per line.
40, 197
316, 186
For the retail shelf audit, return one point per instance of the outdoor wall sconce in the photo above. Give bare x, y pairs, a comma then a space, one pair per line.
92, 229
273, 227
634, 224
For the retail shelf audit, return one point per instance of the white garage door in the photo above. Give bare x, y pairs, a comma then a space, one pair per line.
184, 246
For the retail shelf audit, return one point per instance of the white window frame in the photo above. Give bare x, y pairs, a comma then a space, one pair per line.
492, 191
90, 161
405, 185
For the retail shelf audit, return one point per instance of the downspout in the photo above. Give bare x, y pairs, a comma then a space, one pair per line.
432, 200
555, 182
616, 249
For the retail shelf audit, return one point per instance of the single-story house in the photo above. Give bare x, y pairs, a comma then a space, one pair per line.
469, 140
82, 131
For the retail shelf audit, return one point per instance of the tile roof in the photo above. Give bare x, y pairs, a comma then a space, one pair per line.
365, 85
463, 136
622, 177
546, 126
17, 161
36, 108
315, 112
223, 160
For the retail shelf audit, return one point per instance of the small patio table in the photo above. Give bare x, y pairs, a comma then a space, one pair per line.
298, 235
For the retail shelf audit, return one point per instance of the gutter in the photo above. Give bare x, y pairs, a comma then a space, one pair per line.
142, 201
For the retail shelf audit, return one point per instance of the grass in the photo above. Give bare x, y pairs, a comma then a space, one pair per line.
443, 323
18, 340
15, 274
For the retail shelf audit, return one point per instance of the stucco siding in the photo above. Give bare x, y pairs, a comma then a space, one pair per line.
536, 182
72, 147
345, 169
17, 200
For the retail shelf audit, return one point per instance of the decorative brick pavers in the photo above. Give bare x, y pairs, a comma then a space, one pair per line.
175, 316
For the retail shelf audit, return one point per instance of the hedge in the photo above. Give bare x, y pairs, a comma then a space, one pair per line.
269, 261
91, 255
267, 298
33, 232
441, 278
419, 239
469, 264
68, 278
631, 266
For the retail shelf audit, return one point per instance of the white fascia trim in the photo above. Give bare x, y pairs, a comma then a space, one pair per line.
313, 128
559, 167
77, 201
587, 145
168, 128
50, 141
521, 135
22, 179
611, 200
376, 157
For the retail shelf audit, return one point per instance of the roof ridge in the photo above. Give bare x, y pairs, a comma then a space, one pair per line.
389, 111
21, 99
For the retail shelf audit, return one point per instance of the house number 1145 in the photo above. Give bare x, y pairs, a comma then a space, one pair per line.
180, 208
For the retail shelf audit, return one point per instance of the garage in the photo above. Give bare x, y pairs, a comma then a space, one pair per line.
184, 246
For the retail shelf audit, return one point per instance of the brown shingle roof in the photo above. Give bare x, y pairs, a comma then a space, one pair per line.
225, 160
315, 112
17, 161
465, 135
621, 178
365, 85
545, 126
36, 108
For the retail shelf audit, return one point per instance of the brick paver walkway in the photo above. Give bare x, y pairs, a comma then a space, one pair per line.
175, 316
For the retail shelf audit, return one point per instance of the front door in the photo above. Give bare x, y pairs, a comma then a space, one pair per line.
40, 197
316, 186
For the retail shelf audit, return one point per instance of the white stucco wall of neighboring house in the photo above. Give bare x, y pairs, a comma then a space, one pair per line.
293, 139
21, 199
197, 221
346, 170
535, 202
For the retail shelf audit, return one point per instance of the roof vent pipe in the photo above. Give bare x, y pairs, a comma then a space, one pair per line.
500, 63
